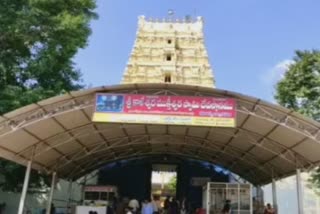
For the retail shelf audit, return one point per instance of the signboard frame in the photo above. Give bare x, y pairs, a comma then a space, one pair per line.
165, 110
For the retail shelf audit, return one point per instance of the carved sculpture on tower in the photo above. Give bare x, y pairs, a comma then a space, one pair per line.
169, 51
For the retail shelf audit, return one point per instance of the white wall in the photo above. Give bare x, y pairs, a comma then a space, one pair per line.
287, 196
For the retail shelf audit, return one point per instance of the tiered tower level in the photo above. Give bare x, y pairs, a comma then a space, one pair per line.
167, 51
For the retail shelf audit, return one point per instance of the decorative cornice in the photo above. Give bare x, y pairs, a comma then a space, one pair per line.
187, 20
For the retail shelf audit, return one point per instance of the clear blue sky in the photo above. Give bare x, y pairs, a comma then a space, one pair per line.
248, 41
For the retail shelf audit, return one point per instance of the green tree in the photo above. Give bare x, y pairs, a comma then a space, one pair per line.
172, 184
300, 87
300, 90
38, 40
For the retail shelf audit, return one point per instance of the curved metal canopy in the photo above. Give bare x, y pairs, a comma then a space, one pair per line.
269, 141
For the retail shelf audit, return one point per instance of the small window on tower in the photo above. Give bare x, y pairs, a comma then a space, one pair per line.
167, 78
168, 57
169, 41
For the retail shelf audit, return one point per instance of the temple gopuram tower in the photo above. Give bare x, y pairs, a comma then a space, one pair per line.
167, 51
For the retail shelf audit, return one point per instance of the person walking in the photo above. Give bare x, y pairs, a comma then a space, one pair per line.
227, 207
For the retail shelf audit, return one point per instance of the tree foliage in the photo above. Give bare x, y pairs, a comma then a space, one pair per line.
172, 184
300, 87
300, 90
38, 39
13, 176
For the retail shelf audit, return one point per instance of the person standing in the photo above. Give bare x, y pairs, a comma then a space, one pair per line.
166, 205
184, 207
147, 207
128, 210
134, 205
121, 206
269, 210
174, 207
227, 207
156, 205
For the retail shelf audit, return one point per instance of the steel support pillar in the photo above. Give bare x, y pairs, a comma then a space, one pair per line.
251, 202
299, 192
25, 187
208, 199
274, 195
53, 183
69, 194
82, 189
260, 197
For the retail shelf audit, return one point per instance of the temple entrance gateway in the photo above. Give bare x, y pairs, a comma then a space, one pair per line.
148, 116
163, 181
256, 149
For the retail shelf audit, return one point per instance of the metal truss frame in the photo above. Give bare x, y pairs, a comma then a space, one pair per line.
277, 116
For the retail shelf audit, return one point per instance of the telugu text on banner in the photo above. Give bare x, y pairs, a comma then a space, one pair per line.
169, 110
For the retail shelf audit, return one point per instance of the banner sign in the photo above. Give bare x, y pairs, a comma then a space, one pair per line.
169, 110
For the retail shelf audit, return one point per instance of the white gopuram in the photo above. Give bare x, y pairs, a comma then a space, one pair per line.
169, 51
